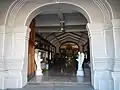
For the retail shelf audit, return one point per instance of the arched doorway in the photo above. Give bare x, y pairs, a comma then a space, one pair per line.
21, 31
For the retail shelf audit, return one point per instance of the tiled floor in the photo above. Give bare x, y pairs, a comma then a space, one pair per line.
58, 81
72, 87
55, 77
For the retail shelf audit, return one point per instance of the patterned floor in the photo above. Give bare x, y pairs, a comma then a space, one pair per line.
58, 81
72, 87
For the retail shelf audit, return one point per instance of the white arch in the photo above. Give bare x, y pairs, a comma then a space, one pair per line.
41, 9
17, 9
105, 9
23, 16
18, 5
12, 11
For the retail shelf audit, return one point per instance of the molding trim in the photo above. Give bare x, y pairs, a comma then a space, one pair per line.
116, 24
104, 5
12, 12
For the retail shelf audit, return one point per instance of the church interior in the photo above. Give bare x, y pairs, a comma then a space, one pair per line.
56, 38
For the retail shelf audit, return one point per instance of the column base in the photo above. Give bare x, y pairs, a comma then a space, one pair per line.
13, 82
116, 78
80, 73
80, 79
2, 86
15, 79
106, 84
39, 72
102, 80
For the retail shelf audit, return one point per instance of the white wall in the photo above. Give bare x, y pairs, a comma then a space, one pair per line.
16, 66
116, 68
99, 60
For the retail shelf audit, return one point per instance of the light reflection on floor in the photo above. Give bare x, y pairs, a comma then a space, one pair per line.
58, 81
52, 77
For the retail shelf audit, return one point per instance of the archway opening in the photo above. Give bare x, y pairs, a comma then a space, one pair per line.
55, 27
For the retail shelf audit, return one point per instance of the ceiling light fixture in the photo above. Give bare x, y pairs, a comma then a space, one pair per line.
57, 1
62, 29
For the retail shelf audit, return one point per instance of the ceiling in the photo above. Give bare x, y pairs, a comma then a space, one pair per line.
58, 37
56, 10
58, 25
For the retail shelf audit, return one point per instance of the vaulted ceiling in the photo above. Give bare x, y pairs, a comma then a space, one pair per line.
61, 25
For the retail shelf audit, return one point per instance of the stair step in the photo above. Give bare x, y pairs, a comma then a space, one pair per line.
60, 83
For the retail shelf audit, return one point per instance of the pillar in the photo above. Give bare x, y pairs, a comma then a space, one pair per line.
2, 29
16, 56
100, 75
116, 70
109, 41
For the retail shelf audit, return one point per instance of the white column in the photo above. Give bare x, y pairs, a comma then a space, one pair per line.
100, 75
116, 71
16, 56
2, 29
110, 55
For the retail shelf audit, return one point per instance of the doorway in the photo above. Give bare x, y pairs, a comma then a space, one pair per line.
59, 36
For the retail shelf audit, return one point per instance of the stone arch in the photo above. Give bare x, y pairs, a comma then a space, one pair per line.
105, 8
19, 17
102, 6
47, 6
12, 12
25, 19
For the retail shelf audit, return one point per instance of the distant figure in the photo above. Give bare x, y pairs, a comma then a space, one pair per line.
43, 65
76, 66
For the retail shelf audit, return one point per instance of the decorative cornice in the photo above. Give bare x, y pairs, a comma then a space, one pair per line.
2, 28
95, 27
24, 30
116, 75
116, 23
108, 26
20, 29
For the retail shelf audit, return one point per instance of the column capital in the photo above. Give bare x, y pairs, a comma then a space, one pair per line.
2, 28
116, 23
22, 32
95, 26
99, 26
21, 29
108, 26
95, 29
116, 74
